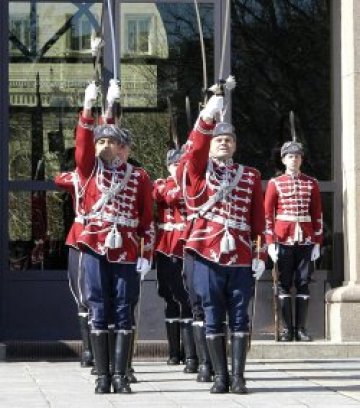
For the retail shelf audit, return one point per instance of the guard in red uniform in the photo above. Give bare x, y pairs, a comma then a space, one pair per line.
117, 213
169, 265
226, 203
205, 370
294, 233
69, 181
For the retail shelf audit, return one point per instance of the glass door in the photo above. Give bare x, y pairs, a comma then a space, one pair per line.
49, 66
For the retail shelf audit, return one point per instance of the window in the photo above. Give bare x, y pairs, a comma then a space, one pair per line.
20, 31
80, 34
138, 30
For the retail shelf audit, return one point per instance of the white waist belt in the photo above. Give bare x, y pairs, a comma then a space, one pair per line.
169, 226
242, 226
294, 218
119, 220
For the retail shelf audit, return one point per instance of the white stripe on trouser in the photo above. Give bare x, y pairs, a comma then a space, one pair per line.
123, 331
80, 277
282, 296
172, 320
97, 332
214, 335
199, 323
240, 334
303, 296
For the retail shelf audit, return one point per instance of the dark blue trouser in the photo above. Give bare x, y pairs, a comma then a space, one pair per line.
76, 278
195, 299
112, 291
171, 287
223, 289
295, 268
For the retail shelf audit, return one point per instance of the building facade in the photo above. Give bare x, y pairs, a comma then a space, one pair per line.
286, 55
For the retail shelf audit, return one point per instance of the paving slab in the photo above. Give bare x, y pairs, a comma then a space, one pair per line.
272, 383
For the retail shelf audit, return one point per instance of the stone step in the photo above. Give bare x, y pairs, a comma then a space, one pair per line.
151, 350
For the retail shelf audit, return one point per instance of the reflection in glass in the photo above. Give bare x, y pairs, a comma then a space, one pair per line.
160, 58
46, 156
138, 34
281, 60
49, 69
38, 224
50, 66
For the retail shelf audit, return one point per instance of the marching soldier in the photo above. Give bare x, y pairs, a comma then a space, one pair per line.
294, 233
227, 210
117, 213
69, 182
169, 265
205, 369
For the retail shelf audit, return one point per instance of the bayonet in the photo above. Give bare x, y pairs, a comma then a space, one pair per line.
292, 125
173, 135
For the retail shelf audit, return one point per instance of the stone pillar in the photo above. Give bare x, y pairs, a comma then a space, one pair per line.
343, 303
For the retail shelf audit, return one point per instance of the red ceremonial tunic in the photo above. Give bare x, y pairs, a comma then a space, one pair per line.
293, 210
70, 182
116, 204
225, 203
171, 217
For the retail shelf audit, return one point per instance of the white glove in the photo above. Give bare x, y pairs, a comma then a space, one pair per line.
315, 253
143, 266
113, 92
95, 44
214, 105
258, 267
90, 95
273, 252
230, 83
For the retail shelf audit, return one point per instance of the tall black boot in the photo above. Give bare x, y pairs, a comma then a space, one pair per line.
101, 353
217, 350
130, 370
173, 337
301, 310
87, 358
205, 367
120, 380
111, 338
191, 361
182, 351
286, 312
239, 347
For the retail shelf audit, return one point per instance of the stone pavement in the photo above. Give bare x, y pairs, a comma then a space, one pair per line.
272, 383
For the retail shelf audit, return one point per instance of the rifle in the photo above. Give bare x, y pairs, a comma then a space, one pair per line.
275, 279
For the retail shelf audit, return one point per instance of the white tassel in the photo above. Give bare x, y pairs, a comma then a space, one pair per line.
118, 239
227, 243
231, 240
298, 233
113, 239
224, 245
